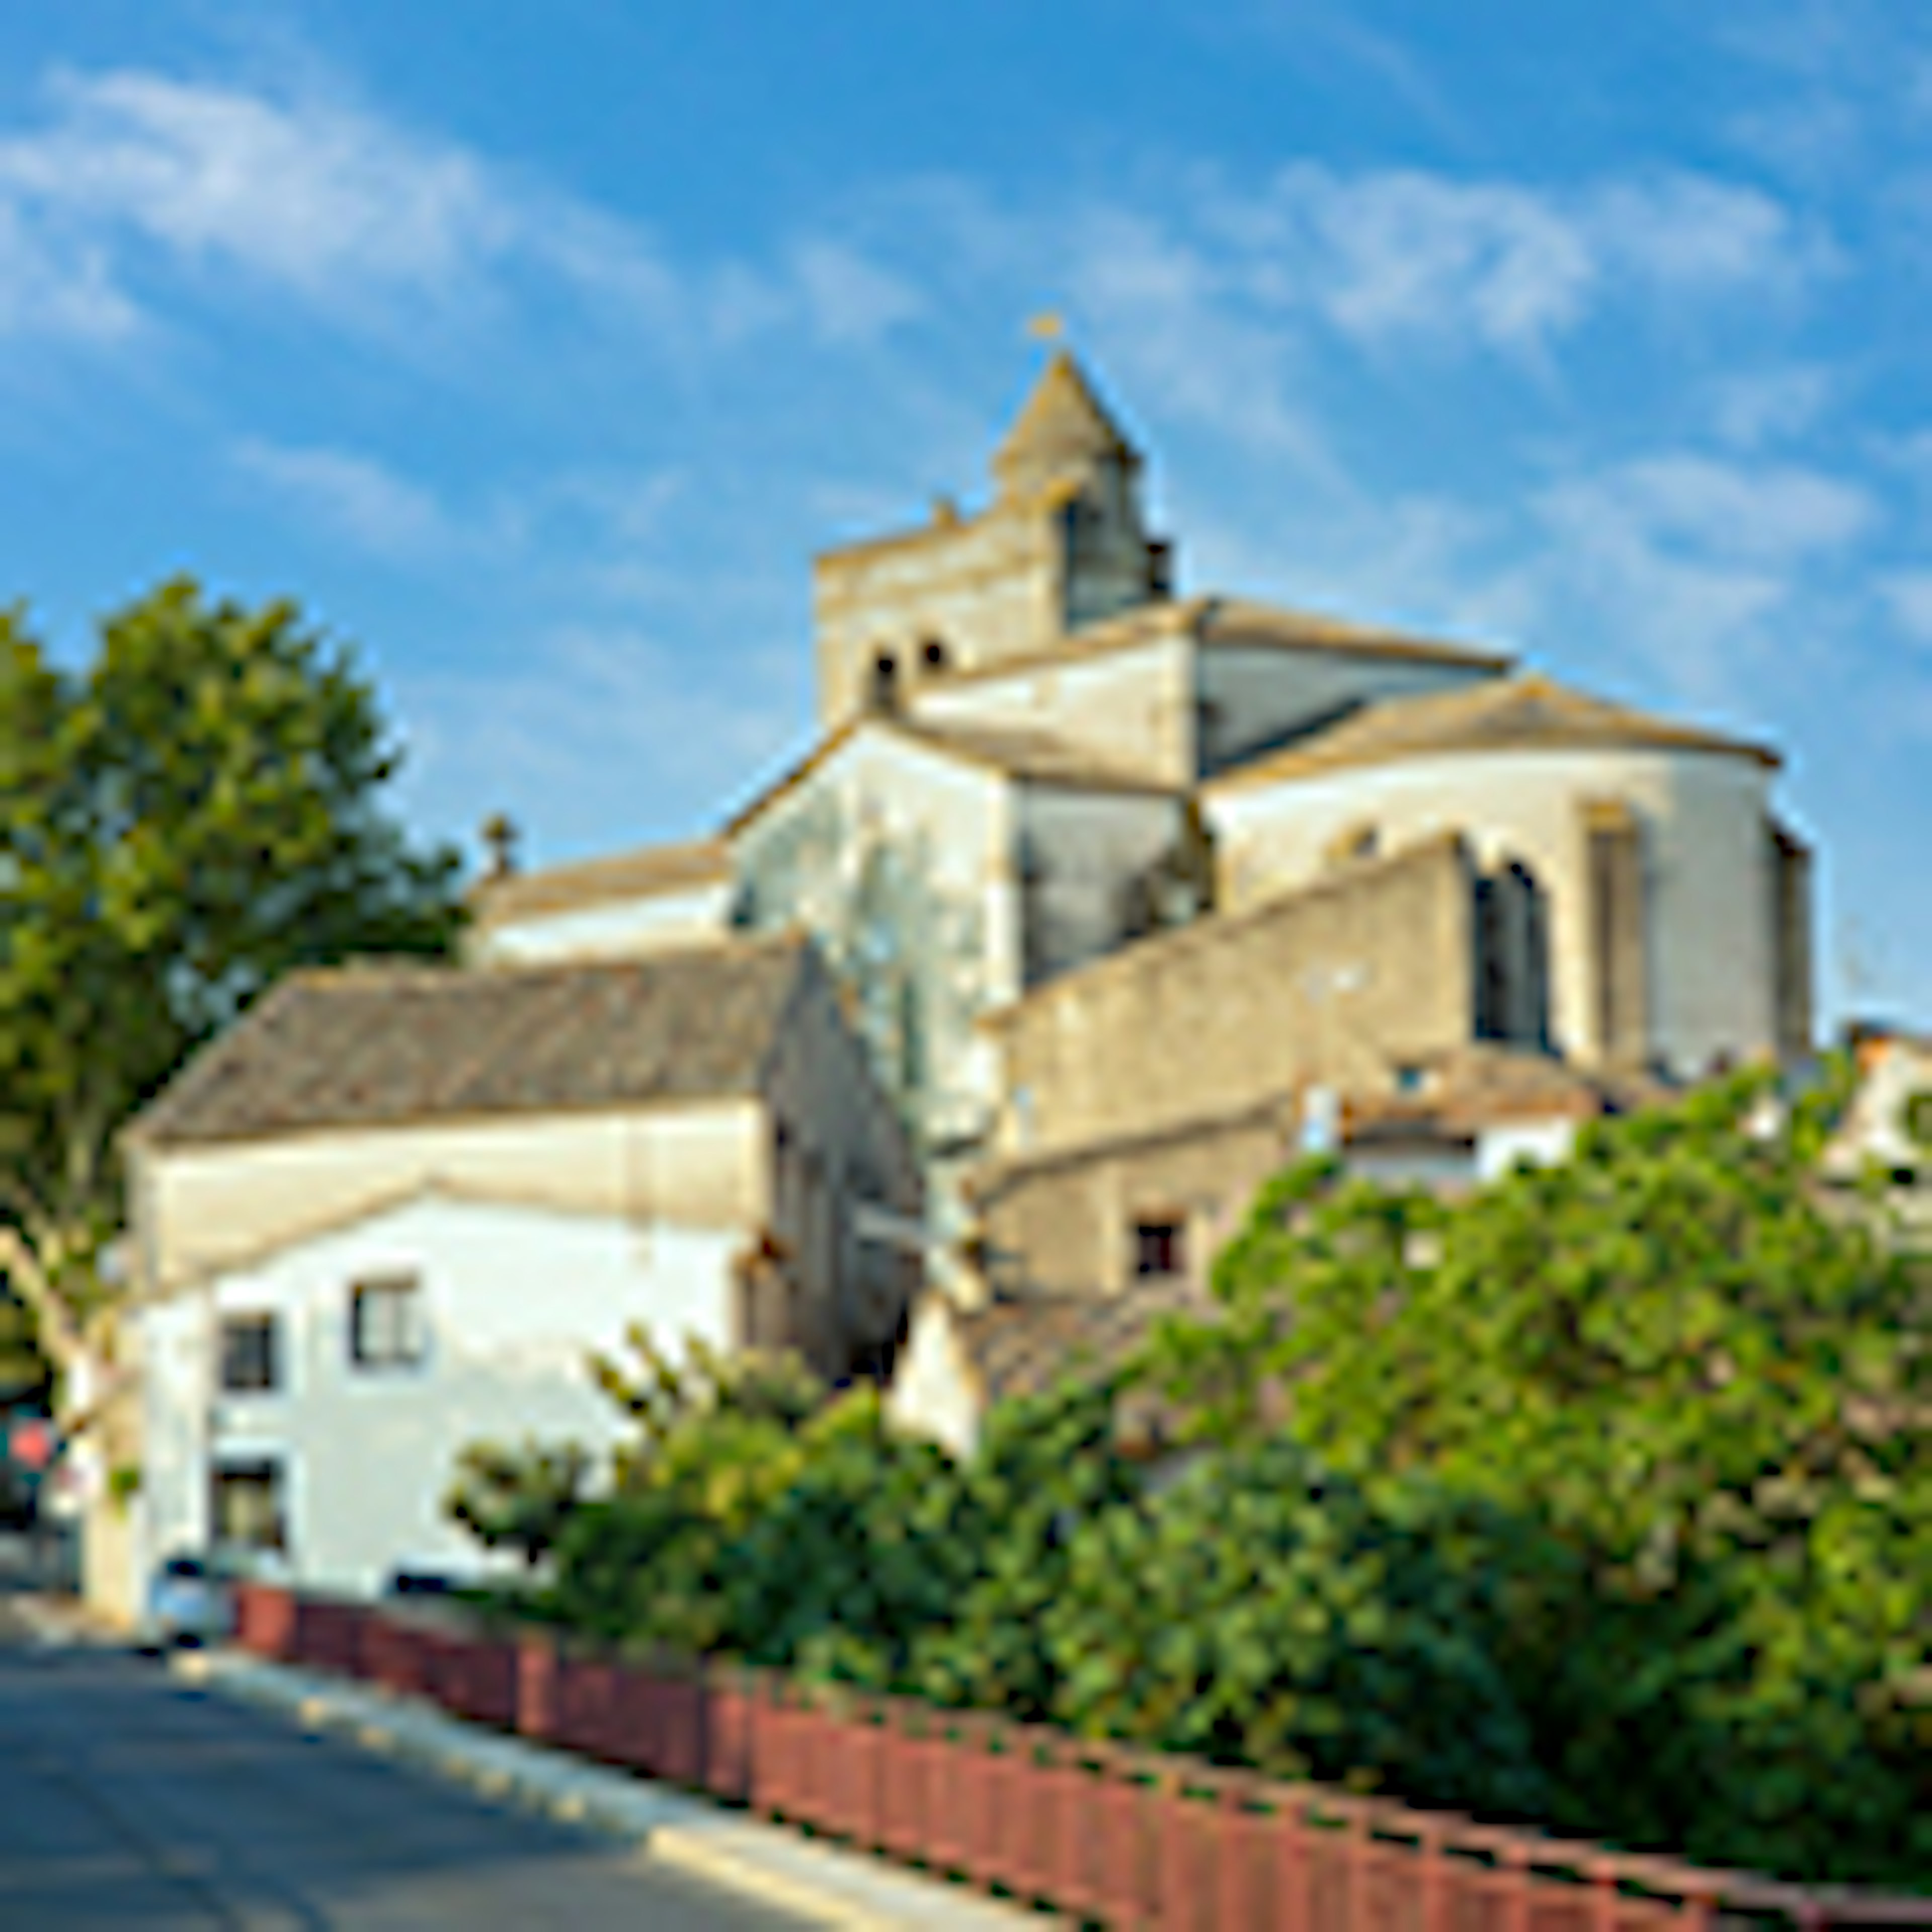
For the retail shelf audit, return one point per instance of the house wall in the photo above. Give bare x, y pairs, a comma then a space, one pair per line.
935, 1391
1369, 967
1066, 1225
515, 1295
1132, 708
197, 1208
621, 929
1257, 696
1708, 891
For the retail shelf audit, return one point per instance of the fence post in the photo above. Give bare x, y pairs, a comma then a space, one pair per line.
536, 1686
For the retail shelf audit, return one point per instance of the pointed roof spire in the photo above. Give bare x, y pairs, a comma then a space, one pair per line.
1064, 428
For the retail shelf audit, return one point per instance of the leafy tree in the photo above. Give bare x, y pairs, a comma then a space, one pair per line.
196, 810
517, 1499
1709, 1384
1262, 1611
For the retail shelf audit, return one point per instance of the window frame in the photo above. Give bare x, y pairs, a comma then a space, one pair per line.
1162, 1233
271, 1469
400, 1285
232, 1324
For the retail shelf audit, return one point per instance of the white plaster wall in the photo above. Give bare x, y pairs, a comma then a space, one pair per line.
1706, 858
1087, 846
1258, 694
1132, 708
198, 1208
620, 930
1540, 1143
932, 1395
515, 1296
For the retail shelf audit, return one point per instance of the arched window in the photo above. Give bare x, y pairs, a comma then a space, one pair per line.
933, 654
886, 681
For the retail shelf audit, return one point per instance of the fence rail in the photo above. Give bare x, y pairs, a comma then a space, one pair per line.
1122, 1838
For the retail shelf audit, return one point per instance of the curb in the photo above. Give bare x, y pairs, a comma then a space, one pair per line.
778, 1867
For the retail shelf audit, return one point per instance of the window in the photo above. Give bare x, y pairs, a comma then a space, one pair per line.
386, 1323
932, 654
248, 1353
885, 682
245, 1505
1159, 1247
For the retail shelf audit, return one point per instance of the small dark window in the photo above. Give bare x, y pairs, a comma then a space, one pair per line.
886, 681
248, 1364
386, 1323
933, 654
1410, 1079
246, 1506
1159, 1248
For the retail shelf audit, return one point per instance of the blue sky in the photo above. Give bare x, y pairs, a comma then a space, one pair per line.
534, 347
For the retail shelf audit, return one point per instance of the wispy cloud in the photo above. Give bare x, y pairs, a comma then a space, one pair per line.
351, 495
358, 217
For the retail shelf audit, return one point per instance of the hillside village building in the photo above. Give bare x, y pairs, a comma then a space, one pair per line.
1123, 896
1118, 880
390, 1212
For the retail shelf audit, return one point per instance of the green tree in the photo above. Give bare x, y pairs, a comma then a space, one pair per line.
518, 1498
195, 811
1710, 1383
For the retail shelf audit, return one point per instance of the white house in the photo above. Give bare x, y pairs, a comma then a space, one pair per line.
392, 1209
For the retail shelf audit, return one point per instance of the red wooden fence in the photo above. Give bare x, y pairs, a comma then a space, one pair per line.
1120, 1837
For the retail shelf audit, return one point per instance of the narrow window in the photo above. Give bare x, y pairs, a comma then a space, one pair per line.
246, 1505
1159, 1248
886, 681
248, 1353
932, 654
386, 1323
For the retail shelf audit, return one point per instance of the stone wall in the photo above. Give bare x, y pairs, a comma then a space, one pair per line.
1339, 984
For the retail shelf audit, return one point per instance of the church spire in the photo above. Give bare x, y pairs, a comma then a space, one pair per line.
1063, 433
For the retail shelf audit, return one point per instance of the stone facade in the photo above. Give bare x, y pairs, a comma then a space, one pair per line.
1036, 756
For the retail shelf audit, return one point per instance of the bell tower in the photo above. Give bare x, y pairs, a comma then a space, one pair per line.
1062, 544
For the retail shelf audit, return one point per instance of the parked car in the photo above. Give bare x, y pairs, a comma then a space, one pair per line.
187, 1604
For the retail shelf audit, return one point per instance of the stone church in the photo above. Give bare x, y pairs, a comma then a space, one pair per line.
1131, 893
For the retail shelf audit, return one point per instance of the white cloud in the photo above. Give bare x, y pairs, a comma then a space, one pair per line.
351, 495
317, 197
356, 216
1712, 571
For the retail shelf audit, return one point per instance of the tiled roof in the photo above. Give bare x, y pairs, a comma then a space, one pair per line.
1231, 623
383, 1045
1036, 757
1512, 714
591, 882
1024, 753
1024, 1346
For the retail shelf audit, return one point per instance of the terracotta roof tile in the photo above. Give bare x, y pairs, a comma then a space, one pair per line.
382, 1046
590, 882
1512, 714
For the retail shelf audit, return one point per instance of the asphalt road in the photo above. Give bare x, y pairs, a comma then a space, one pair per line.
129, 1799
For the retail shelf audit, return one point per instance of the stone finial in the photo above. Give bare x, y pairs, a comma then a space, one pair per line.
500, 835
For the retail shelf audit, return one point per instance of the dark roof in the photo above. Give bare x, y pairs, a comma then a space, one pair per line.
1024, 1346
382, 1045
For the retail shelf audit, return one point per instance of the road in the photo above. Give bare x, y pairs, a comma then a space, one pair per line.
127, 1799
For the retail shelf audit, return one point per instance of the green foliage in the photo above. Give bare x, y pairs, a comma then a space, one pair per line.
1707, 1389
194, 813
517, 1498
1916, 1117
1261, 1613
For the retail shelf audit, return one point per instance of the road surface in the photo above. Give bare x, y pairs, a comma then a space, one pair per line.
127, 1799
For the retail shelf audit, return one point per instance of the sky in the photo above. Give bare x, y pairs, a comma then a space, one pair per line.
535, 348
